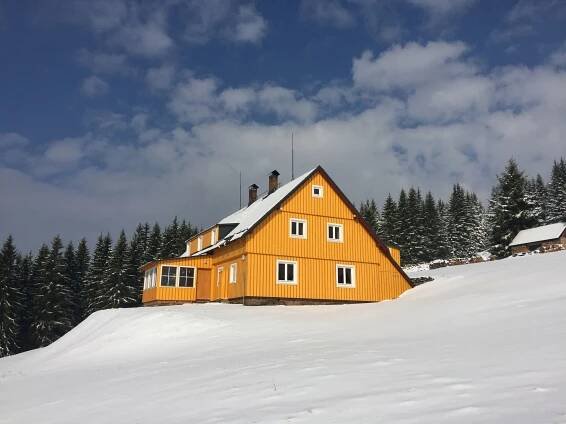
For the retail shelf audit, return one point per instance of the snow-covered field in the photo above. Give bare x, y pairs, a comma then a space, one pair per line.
482, 343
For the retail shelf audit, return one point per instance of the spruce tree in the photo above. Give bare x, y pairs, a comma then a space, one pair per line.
186, 231
389, 226
458, 235
138, 247
154, 244
10, 299
119, 288
82, 259
96, 272
508, 209
432, 229
402, 226
25, 313
52, 294
535, 198
370, 212
557, 193
443, 250
169, 246
414, 228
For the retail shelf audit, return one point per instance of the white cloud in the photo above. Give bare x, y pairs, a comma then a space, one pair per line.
94, 86
441, 8
407, 66
160, 78
104, 63
250, 26
66, 151
147, 39
327, 12
225, 19
558, 57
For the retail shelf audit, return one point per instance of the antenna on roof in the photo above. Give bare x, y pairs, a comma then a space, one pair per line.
240, 189
292, 156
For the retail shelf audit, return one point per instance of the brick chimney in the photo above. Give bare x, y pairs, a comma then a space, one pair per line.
273, 181
252, 190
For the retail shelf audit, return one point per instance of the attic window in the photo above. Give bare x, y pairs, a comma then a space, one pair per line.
317, 191
199, 243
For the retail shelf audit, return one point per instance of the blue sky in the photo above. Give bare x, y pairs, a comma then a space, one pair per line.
119, 111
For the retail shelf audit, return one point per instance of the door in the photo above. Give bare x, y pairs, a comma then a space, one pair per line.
203, 284
219, 281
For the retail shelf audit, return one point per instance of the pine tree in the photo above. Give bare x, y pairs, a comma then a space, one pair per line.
535, 198
119, 288
10, 299
508, 209
25, 282
458, 235
477, 225
186, 231
370, 212
82, 259
443, 249
169, 246
52, 294
432, 229
556, 204
138, 248
414, 228
154, 244
402, 227
389, 226
96, 272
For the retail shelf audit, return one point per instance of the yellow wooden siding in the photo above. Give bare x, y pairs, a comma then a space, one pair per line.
224, 257
396, 253
377, 278
316, 279
206, 239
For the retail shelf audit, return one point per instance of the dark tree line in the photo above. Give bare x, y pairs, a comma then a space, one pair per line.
44, 296
425, 228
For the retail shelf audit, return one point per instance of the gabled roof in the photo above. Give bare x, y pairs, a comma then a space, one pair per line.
249, 217
544, 233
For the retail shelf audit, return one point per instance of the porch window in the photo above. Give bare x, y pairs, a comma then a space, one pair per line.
168, 276
187, 275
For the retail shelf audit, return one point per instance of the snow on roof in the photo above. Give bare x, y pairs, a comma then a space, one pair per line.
250, 215
532, 235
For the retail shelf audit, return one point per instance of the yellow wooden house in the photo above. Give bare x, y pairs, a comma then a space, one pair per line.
302, 242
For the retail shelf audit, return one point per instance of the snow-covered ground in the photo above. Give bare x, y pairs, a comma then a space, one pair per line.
482, 343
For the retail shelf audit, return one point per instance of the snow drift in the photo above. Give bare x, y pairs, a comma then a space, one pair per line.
482, 343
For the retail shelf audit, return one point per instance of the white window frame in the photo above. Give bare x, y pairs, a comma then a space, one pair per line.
233, 273
189, 248
153, 277
219, 270
146, 280
176, 275
341, 231
199, 243
179, 277
295, 272
213, 237
320, 191
344, 285
298, 221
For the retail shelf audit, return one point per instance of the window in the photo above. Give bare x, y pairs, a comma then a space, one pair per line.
298, 228
199, 243
213, 236
146, 280
152, 277
286, 272
168, 276
233, 273
345, 276
187, 276
335, 232
317, 191
219, 273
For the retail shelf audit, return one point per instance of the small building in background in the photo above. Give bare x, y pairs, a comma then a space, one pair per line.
547, 237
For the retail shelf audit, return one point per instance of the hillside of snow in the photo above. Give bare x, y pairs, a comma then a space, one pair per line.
482, 343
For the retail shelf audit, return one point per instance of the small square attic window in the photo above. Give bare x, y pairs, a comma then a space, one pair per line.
317, 191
